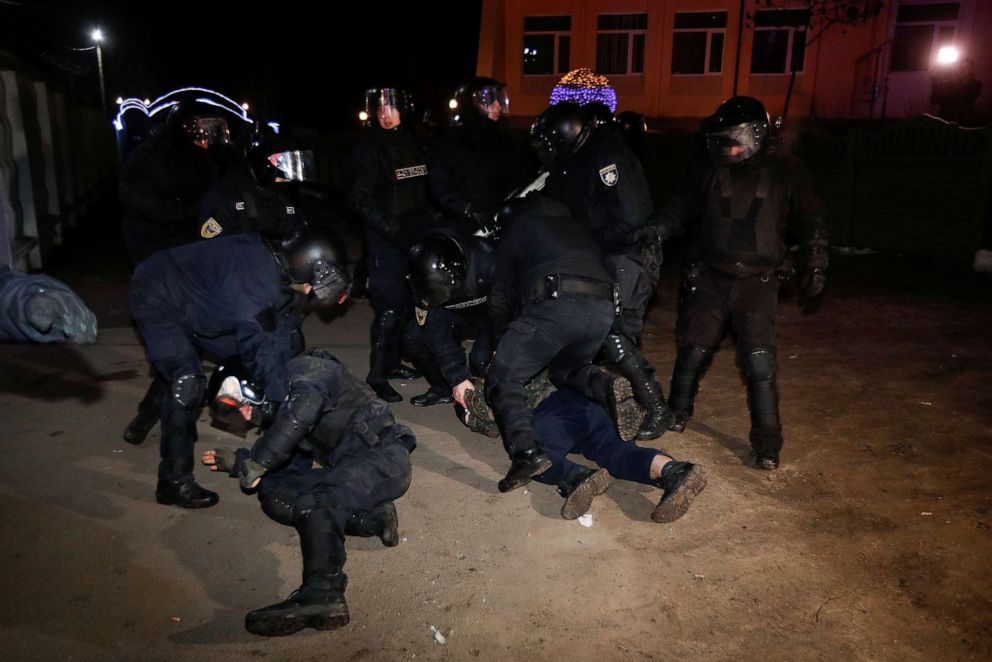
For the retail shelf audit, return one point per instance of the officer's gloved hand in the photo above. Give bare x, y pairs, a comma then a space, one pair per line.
236, 464
810, 287
479, 221
649, 235
61, 311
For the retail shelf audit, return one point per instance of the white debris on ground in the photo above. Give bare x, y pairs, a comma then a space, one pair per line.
983, 262
585, 520
438, 637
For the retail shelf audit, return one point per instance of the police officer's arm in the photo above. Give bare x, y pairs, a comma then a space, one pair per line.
806, 209
444, 347
141, 190
368, 170
628, 202
444, 179
685, 205
216, 206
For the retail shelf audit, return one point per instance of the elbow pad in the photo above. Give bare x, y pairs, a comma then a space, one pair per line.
296, 417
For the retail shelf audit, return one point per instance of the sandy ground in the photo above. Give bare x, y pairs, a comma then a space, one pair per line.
870, 543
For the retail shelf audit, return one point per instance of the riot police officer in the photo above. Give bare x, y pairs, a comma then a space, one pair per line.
552, 303
744, 194
450, 276
163, 180
256, 198
475, 163
390, 194
363, 459
601, 180
231, 296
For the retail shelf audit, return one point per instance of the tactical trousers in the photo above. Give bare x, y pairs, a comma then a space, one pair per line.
636, 287
392, 305
561, 334
567, 422
436, 346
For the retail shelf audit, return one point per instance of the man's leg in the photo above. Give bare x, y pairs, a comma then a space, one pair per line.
755, 308
149, 411
416, 349
389, 295
702, 322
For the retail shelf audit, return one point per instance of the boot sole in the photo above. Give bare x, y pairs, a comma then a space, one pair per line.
673, 506
578, 502
627, 414
169, 500
289, 625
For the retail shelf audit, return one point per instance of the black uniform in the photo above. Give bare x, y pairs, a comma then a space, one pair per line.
434, 340
552, 305
362, 461
238, 204
604, 186
161, 186
474, 166
227, 296
738, 251
39, 308
390, 194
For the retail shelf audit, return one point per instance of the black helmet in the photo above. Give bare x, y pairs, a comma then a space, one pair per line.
273, 156
738, 122
316, 256
235, 399
198, 122
386, 98
437, 270
481, 98
561, 131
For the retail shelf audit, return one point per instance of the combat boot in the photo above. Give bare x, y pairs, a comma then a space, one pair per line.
690, 364
176, 486
581, 490
524, 465
319, 603
403, 372
624, 409
681, 481
659, 417
381, 523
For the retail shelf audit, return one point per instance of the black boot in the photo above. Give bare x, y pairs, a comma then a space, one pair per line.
681, 481
689, 368
379, 357
761, 368
432, 397
386, 392
176, 486
524, 465
659, 416
149, 412
381, 523
624, 409
581, 490
622, 352
319, 603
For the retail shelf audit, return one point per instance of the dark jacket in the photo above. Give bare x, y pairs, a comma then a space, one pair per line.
239, 205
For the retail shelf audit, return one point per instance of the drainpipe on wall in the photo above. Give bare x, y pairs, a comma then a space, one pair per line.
740, 39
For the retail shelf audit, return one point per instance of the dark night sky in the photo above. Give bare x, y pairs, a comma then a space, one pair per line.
289, 64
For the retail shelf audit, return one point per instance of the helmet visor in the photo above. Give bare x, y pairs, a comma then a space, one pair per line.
294, 166
208, 131
736, 143
492, 101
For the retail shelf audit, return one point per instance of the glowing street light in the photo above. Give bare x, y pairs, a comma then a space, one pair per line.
363, 116
97, 37
948, 55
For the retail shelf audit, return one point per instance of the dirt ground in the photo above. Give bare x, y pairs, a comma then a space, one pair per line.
870, 543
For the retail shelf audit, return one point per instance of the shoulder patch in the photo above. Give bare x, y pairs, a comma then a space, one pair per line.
421, 315
210, 229
412, 171
610, 175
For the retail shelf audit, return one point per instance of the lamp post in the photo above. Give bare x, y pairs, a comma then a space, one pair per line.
97, 37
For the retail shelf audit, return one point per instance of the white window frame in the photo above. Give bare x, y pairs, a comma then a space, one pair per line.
709, 41
557, 34
630, 41
793, 30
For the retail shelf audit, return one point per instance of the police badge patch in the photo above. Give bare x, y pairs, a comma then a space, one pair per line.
610, 175
210, 229
421, 315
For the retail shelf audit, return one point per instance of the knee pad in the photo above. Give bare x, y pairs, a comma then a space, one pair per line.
759, 364
188, 390
308, 503
694, 358
616, 348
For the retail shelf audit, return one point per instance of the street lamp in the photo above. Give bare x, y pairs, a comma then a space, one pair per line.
97, 37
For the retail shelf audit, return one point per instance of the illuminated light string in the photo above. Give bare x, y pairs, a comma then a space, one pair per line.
151, 108
583, 87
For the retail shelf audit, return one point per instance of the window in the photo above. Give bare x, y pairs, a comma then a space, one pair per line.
779, 45
698, 44
620, 43
546, 43
920, 30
